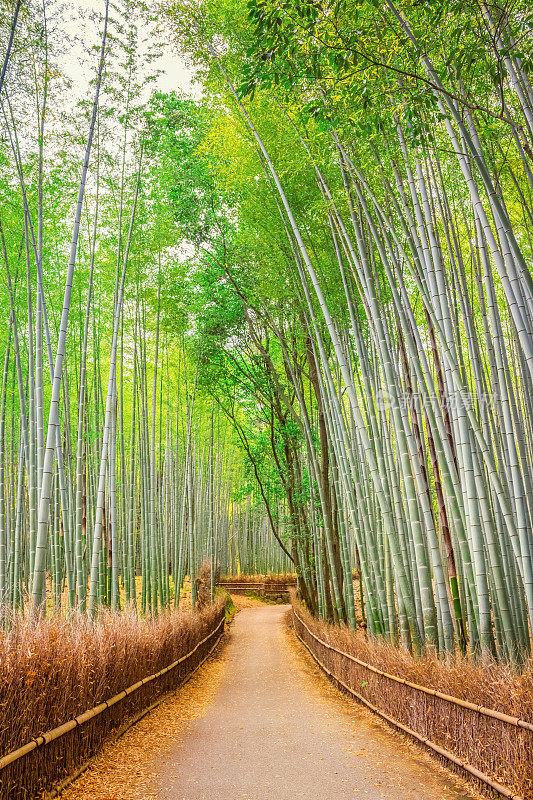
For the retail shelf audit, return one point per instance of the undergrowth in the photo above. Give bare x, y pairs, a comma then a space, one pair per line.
498, 749
496, 686
272, 579
55, 669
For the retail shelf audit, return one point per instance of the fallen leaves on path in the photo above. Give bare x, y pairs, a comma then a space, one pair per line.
127, 769
360, 718
241, 601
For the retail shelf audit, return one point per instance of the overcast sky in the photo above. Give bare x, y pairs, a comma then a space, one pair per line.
82, 24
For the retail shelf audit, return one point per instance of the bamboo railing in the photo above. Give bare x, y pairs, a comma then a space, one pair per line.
486, 744
16, 773
262, 588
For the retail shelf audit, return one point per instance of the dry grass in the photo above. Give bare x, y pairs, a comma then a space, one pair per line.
500, 750
272, 579
241, 601
271, 588
130, 768
56, 669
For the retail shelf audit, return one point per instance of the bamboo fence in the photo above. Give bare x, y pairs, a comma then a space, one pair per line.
48, 758
264, 588
493, 748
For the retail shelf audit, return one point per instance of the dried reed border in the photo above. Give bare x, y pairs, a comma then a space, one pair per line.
257, 588
475, 736
85, 735
62, 785
268, 585
274, 578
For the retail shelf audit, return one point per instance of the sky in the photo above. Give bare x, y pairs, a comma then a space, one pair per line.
80, 20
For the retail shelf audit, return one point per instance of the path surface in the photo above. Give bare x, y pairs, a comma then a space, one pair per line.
273, 731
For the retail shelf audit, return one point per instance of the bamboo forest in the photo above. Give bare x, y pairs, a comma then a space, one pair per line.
266, 329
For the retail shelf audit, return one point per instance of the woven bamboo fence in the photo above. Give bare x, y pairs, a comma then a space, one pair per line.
263, 588
492, 748
47, 759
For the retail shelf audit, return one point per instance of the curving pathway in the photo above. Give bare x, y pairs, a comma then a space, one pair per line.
276, 731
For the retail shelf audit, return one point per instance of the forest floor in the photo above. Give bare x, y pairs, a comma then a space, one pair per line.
259, 721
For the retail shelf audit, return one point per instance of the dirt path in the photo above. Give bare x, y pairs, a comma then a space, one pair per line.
269, 728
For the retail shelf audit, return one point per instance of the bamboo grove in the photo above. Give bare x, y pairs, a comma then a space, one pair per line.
115, 471
391, 314
294, 331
